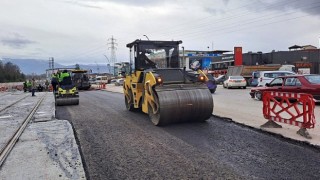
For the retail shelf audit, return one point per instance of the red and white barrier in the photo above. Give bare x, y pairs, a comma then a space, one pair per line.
290, 108
102, 86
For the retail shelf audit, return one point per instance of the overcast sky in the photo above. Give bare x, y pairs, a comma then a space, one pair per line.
78, 31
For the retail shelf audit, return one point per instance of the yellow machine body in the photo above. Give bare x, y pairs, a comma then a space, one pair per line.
168, 95
67, 93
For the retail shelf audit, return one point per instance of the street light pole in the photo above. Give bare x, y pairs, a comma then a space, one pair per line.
183, 61
146, 37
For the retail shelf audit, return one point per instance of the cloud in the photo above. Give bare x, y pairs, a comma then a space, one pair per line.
84, 3
16, 40
311, 7
140, 3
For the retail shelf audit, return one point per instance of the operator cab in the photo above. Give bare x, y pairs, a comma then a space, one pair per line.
154, 54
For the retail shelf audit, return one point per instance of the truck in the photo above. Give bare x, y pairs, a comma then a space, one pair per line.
247, 71
80, 78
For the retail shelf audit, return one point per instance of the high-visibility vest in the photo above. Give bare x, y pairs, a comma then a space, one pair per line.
63, 75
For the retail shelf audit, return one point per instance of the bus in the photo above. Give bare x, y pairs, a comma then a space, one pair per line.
221, 67
102, 79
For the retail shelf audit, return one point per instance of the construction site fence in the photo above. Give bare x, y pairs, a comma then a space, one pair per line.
290, 108
11, 86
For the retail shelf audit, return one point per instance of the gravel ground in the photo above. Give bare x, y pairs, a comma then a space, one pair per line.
117, 144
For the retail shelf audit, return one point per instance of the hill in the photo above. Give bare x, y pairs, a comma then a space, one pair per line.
36, 66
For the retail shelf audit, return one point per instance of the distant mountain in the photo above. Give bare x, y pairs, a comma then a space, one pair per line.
36, 66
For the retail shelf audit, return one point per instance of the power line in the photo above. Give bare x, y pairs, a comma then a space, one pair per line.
202, 23
239, 27
198, 20
235, 26
75, 55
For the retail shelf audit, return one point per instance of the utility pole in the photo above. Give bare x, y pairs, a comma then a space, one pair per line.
113, 48
212, 46
108, 63
51, 66
98, 68
51, 63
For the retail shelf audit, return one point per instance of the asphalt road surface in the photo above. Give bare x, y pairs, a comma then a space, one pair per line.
118, 144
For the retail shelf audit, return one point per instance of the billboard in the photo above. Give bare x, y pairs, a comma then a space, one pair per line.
202, 63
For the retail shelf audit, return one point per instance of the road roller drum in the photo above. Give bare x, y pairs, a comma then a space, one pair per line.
67, 101
182, 105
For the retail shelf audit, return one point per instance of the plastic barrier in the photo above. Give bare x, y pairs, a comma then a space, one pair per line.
290, 108
3, 88
102, 86
19, 87
50, 89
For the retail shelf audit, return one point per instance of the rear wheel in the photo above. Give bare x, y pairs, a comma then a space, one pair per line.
129, 101
244, 87
154, 117
258, 95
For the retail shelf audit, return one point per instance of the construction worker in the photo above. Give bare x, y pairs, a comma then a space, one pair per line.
46, 85
63, 74
33, 87
146, 62
25, 86
29, 85
54, 81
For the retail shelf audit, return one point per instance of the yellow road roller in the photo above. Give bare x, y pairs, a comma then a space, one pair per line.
67, 93
156, 85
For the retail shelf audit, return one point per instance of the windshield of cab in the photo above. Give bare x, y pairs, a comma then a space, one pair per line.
162, 56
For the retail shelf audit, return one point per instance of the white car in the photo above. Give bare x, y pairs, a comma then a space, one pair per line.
119, 82
265, 77
235, 82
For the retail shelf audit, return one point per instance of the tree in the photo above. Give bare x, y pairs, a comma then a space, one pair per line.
77, 67
1, 72
10, 72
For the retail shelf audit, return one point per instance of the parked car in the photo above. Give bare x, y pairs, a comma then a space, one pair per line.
119, 82
296, 84
211, 83
220, 79
254, 81
235, 81
267, 76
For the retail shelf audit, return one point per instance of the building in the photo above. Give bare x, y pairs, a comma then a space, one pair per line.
203, 59
307, 56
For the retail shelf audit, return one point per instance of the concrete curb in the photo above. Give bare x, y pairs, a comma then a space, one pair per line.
278, 135
47, 149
